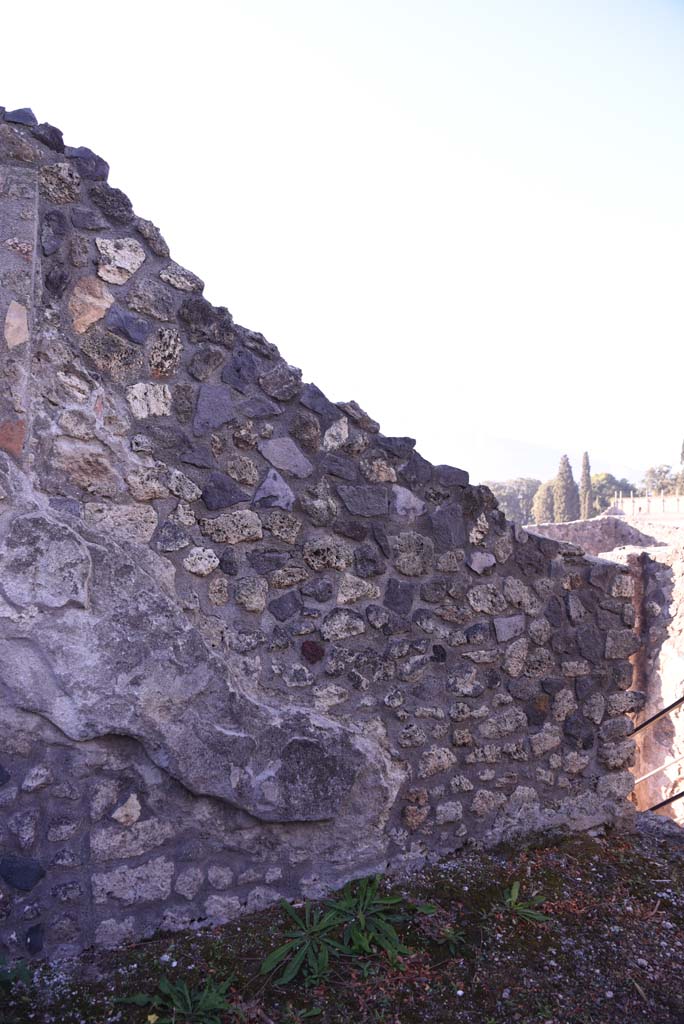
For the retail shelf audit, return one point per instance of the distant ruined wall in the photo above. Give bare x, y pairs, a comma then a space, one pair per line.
654, 554
595, 536
249, 646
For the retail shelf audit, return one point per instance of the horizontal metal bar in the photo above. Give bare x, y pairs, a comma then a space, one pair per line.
670, 800
662, 768
659, 714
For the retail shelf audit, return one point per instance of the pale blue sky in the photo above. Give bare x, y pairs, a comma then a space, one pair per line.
466, 215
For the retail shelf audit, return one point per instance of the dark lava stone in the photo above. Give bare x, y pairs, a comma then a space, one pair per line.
320, 590
479, 633
258, 407
221, 492
537, 710
448, 527
200, 455
228, 562
171, 537
381, 539
197, 312
205, 360
49, 136
53, 231
57, 280
399, 596
340, 466
417, 470
401, 447
130, 326
433, 591
364, 499
20, 872
35, 938
449, 476
591, 643
524, 689
314, 399
22, 116
312, 651
584, 685
579, 729
183, 402
552, 686
387, 621
115, 205
88, 164
241, 370
267, 561
555, 612
352, 528
280, 639
368, 562
86, 219
286, 606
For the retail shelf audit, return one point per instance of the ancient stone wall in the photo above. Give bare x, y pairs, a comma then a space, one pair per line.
249, 646
653, 549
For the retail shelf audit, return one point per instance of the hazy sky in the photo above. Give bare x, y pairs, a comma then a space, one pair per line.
468, 215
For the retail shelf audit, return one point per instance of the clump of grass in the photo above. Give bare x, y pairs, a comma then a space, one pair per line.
526, 910
179, 1004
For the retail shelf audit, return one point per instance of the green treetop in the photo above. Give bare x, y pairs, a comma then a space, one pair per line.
566, 504
585, 492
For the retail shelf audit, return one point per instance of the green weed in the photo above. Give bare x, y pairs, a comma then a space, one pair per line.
524, 909
309, 946
179, 1004
368, 919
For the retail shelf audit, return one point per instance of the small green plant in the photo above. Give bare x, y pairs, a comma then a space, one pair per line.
454, 939
359, 923
9, 976
368, 919
296, 1016
524, 909
179, 1004
438, 926
309, 946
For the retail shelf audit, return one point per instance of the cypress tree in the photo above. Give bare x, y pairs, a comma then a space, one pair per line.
566, 505
542, 503
586, 495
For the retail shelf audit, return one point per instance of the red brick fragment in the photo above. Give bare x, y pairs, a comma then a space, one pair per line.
12, 436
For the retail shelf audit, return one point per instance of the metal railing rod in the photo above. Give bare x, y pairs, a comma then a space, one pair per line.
670, 800
661, 769
659, 714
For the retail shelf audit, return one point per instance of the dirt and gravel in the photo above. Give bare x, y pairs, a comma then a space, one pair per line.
609, 949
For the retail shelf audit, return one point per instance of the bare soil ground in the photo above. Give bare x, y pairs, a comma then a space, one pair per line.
610, 951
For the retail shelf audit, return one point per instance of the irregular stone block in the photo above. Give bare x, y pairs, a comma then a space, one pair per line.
16, 325
237, 527
89, 302
144, 883
284, 454
121, 257
364, 500
220, 492
22, 873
